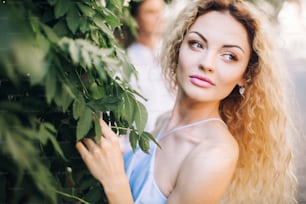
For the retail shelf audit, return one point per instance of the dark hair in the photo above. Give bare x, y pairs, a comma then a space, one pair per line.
134, 7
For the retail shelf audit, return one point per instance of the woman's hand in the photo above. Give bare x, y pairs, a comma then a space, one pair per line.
104, 160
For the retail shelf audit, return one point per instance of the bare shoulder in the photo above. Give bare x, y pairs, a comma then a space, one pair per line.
218, 148
220, 141
215, 140
207, 170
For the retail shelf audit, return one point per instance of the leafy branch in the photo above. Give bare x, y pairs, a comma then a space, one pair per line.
61, 70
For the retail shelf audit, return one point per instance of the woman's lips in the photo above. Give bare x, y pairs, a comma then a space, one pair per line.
201, 81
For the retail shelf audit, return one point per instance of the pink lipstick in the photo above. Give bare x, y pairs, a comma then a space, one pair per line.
201, 81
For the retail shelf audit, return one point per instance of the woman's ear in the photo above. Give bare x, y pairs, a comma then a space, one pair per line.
242, 82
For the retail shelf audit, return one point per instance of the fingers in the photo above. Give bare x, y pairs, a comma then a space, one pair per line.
106, 130
86, 146
82, 149
90, 144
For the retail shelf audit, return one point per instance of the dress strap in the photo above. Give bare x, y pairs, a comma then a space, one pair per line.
160, 135
163, 128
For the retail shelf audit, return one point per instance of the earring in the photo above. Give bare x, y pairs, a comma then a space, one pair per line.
241, 90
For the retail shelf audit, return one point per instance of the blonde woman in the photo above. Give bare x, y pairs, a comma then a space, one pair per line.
227, 137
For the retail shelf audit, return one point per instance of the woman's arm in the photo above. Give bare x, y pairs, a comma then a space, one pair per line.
105, 162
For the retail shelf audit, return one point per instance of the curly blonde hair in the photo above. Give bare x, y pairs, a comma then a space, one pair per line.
259, 120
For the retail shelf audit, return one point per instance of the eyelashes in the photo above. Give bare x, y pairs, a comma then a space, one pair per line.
230, 57
195, 44
198, 46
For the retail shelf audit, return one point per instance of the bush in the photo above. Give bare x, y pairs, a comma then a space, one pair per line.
61, 69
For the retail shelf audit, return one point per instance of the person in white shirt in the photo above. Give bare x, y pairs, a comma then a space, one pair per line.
143, 53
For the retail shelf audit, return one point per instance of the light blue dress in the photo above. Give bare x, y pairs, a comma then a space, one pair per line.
139, 168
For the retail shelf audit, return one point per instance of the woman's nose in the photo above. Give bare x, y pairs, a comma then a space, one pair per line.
207, 61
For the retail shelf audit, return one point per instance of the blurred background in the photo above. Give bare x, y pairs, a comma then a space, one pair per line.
292, 25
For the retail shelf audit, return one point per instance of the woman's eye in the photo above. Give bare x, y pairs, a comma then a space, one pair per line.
230, 57
195, 44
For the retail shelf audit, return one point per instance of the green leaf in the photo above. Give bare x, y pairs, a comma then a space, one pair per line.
111, 102
86, 58
50, 127
50, 85
149, 136
133, 138
66, 97
99, 67
107, 52
57, 147
141, 117
98, 130
117, 4
84, 123
111, 18
144, 144
74, 51
95, 36
63, 98
30, 57
52, 137
34, 23
128, 107
48, 132
86, 10
78, 107
43, 134
100, 22
60, 28
97, 92
107, 103
51, 35
84, 25
20, 150
72, 18
43, 180
61, 8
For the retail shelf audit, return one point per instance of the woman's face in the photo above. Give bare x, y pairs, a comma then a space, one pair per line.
149, 16
213, 57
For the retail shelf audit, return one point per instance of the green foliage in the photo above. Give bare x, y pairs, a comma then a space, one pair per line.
61, 69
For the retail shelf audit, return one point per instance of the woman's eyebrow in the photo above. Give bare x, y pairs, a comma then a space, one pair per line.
226, 46
235, 46
200, 35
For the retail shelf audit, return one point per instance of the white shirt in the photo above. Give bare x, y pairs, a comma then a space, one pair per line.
150, 83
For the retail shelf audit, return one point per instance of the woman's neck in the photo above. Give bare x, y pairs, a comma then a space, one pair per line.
187, 111
149, 41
